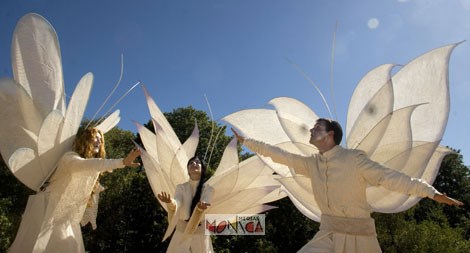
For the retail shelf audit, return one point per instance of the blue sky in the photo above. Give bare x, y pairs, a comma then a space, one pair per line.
234, 51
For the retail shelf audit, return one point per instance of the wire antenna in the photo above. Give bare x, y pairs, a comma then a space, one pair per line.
117, 102
332, 72
212, 127
111, 93
311, 82
215, 141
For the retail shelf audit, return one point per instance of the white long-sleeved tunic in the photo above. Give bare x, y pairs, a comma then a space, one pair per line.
339, 179
51, 221
198, 242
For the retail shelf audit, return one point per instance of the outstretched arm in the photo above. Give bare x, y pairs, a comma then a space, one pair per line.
297, 162
442, 198
73, 162
376, 174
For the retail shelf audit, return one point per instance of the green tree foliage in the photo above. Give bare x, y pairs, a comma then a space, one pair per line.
454, 180
401, 233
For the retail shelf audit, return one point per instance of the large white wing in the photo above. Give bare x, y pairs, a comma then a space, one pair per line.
238, 187
261, 124
296, 120
37, 62
18, 144
402, 121
288, 128
37, 128
164, 156
244, 187
387, 118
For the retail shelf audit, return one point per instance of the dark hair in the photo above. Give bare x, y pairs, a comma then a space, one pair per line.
197, 196
331, 125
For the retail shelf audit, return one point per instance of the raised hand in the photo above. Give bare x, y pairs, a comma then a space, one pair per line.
164, 197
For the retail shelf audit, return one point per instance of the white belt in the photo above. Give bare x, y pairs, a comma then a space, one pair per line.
346, 225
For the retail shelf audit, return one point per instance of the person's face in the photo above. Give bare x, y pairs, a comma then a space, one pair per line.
318, 133
97, 142
195, 169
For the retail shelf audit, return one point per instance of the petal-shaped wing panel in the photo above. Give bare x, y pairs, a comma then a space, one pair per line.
36, 62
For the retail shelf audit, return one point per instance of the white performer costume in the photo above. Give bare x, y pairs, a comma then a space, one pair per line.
397, 120
36, 137
345, 221
235, 187
180, 211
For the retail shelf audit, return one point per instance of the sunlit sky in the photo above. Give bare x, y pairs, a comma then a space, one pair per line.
234, 52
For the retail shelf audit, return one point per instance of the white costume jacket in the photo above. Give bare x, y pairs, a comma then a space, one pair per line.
339, 179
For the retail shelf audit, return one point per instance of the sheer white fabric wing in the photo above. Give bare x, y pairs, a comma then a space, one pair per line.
237, 187
399, 121
411, 111
37, 62
37, 128
45, 129
164, 157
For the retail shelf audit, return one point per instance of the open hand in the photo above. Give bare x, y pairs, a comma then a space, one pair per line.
164, 197
203, 205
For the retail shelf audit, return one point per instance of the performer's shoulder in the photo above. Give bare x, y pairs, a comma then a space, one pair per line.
70, 155
354, 151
